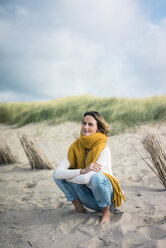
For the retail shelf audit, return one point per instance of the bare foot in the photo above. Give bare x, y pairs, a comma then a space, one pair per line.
83, 210
105, 215
79, 208
105, 218
74, 212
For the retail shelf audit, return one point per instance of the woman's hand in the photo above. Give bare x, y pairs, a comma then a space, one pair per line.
92, 167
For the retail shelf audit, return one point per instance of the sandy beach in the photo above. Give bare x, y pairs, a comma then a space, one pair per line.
34, 213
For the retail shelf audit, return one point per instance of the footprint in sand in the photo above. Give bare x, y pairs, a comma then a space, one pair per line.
135, 178
156, 233
30, 184
155, 220
135, 238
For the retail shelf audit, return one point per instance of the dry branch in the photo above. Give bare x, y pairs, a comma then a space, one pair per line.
6, 156
35, 156
157, 153
76, 135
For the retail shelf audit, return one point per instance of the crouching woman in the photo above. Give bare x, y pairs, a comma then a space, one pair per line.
85, 175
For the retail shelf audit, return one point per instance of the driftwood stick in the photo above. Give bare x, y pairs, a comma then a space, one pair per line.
6, 156
37, 159
157, 153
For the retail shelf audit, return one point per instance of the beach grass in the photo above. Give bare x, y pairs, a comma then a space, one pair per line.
120, 113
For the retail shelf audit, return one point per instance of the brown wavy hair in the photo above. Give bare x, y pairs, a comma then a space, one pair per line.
102, 125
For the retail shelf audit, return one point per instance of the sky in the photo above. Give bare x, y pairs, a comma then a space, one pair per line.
58, 48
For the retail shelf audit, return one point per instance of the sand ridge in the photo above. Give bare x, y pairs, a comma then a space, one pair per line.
34, 213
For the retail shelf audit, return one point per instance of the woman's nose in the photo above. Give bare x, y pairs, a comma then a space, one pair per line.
85, 125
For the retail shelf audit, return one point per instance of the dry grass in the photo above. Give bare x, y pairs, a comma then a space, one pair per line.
35, 156
6, 156
157, 155
121, 113
76, 135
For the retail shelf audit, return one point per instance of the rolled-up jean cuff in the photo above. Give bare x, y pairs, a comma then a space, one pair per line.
104, 204
70, 198
102, 189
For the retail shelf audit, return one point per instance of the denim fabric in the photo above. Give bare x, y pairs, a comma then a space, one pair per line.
96, 198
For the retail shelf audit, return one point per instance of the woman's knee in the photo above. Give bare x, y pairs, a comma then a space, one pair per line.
57, 180
98, 179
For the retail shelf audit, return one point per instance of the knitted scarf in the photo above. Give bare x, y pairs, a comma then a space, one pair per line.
95, 143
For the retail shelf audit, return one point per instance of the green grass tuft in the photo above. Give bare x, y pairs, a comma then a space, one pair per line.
120, 113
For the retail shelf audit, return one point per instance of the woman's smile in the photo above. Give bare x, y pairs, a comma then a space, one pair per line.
89, 126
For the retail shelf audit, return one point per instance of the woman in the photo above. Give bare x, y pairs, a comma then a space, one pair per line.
85, 175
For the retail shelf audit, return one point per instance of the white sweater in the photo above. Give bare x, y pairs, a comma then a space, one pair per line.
63, 171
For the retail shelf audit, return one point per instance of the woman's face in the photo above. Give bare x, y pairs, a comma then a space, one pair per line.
89, 126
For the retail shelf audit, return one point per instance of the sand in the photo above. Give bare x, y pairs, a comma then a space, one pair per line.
34, 212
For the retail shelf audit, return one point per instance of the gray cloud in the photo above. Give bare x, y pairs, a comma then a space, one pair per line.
53, 49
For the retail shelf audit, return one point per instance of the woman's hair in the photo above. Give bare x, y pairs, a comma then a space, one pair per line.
101, 123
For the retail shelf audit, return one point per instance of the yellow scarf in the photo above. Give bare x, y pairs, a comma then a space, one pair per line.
95, 143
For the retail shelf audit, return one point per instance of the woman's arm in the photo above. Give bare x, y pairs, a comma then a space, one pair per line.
63, 171
75, 176
82, 179
103, 162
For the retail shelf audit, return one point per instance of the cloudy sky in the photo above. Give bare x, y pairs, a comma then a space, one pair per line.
57, 48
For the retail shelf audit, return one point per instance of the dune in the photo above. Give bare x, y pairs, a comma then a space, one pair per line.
34, 212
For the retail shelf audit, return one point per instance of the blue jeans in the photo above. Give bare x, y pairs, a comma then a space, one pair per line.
99, 196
